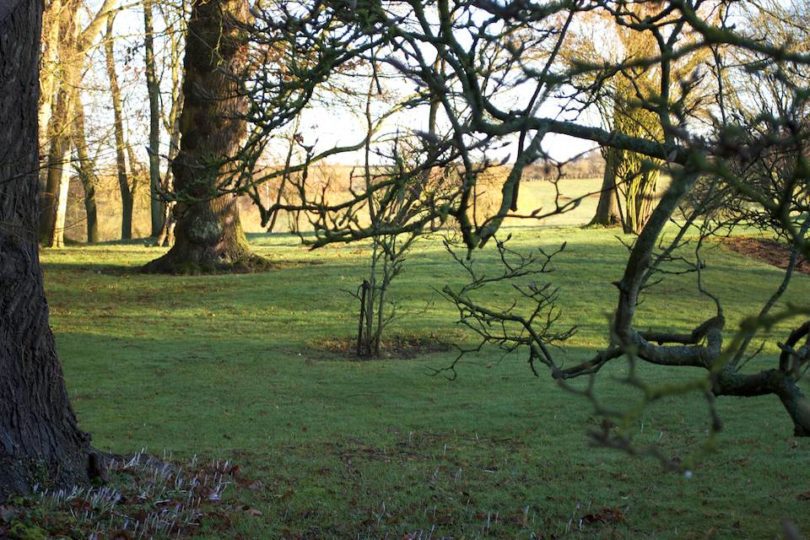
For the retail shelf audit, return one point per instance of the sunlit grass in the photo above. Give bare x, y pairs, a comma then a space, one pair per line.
232, 367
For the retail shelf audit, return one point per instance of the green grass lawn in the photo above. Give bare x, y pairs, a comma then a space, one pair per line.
234, 367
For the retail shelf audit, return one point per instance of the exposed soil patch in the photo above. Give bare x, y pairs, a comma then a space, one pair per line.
396, 346
768, 251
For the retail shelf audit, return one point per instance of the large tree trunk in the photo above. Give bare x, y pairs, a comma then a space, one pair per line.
127, 198
209, 236
153, 90
608, 213
40, 442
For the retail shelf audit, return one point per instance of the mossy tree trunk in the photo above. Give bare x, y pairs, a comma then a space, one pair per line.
642, 185
638, 175
208, 234
628, 175
631, 174
40, 441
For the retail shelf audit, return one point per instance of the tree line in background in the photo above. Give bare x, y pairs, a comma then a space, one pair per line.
444, 93
95, 77
77, 33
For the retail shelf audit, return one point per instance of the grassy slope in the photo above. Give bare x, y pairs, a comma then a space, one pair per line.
227, 366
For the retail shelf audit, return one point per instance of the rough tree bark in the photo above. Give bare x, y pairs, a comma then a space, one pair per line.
208, 235
40, 441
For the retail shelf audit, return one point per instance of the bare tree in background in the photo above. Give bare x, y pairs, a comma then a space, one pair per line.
86, 168
171, 117
157, 206
69, 53
127, 182
503, 63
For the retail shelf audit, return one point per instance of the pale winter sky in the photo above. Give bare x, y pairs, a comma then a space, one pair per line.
329, 124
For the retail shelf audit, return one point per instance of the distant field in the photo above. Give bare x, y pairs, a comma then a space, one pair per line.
533, 194
234, 367
541, 194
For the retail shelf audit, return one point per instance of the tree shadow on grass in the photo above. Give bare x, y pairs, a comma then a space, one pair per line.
136, 268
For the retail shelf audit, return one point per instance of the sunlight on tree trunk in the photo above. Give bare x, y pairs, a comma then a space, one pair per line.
172, 125
628, 175
51, 24
54, 203
208, 234
635, 175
